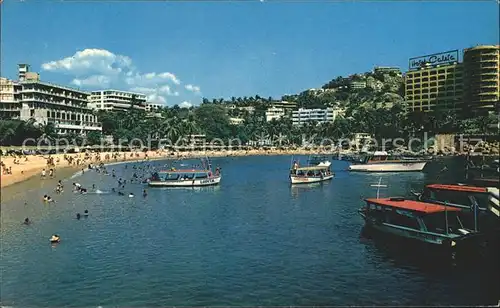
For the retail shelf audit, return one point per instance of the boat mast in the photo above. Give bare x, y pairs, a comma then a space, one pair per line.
446, 217
378, 187
474, 205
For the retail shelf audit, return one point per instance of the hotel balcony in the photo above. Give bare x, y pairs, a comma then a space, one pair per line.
81, 98
64, 103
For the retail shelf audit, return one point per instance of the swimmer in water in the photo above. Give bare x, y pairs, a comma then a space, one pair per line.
131, 195
144, 193
86, 213
78, 215
27, 221
121, 193
93, 186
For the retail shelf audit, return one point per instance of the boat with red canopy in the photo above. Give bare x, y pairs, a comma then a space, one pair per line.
429, 223
466, 197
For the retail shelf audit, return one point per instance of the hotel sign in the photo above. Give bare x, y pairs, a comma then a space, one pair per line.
434, 59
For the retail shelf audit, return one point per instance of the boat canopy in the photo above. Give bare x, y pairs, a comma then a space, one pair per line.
312, 168
184, 171
458, 188
380, 153
412, 205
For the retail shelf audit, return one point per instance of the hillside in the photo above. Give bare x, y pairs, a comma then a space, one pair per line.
369, 90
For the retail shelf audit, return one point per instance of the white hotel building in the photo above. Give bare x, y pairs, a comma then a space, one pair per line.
302, 116
117, 100
46, 103
274, 113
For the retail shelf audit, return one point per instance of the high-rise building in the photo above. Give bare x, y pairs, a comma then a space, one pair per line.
46, 103
481, 72
303, 115
117, 100
434, 82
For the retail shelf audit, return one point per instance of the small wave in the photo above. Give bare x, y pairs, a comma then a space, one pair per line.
79, 173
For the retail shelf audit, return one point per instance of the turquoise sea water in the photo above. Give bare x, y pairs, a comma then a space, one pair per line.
253, 240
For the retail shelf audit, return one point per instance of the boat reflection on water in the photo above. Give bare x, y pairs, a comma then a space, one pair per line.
406, 254
296, 189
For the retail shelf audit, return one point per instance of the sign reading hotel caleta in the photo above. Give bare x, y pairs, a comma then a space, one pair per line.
434, 59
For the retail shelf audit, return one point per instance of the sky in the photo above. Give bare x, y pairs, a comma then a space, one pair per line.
177, 52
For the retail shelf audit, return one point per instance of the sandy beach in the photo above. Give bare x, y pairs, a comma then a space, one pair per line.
21, 168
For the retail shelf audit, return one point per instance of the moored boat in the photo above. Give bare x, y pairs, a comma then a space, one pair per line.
311, 174
318, 170
465, 197
381, 161
427, 223
186, 177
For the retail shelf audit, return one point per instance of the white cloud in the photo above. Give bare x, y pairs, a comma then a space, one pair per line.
95, 80
144, 90
193, 88
152, 79
185, 104
155, 98
91, 61
100, 68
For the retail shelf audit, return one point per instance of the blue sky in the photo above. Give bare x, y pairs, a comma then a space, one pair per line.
180, 52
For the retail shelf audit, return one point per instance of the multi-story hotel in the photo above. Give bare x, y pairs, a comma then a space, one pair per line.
152, 107
10, 106
432, 84
481, 78
117, 100
302, 116
274, 113
287, 106
47, 103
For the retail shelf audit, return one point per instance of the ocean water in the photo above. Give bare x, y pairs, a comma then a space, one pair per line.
253, 240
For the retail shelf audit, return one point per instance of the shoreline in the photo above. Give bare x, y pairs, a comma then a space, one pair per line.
26, 170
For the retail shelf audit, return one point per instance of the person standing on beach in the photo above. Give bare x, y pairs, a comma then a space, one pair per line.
43, 174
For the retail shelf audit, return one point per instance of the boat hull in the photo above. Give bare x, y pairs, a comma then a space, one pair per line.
466, 243
308, 180
389, 167
186, 183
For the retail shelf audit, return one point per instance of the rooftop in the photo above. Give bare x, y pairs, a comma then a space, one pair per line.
464, 188
412, 205
54, 85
